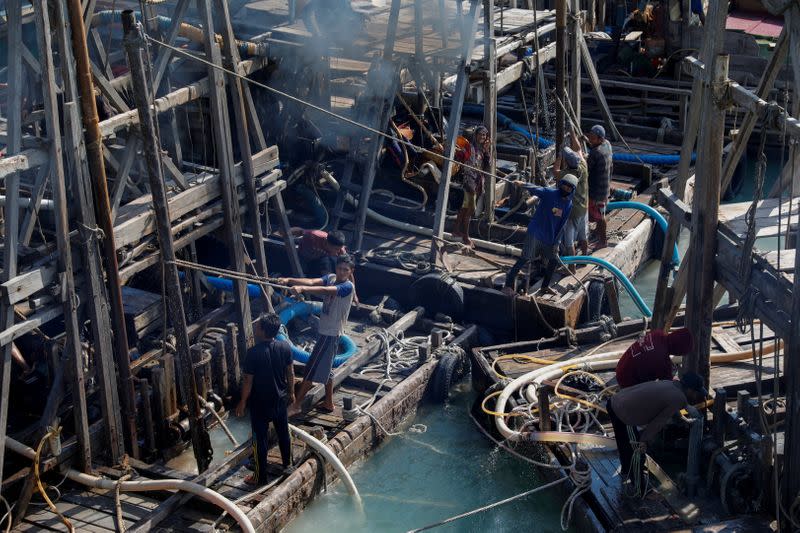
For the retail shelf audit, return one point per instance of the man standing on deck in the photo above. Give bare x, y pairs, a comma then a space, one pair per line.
267, 389
600, 166
648, 359
544, 229
337, 292
650, 404
478, 159
577, 226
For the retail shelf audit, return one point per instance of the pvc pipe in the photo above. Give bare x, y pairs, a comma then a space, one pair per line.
224, 284
329, 456
44, 203
654, 214
147, 486
637, 298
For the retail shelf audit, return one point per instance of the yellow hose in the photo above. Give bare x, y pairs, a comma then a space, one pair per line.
494, 413
38, 478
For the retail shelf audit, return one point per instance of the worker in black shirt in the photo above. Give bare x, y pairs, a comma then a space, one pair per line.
267, 390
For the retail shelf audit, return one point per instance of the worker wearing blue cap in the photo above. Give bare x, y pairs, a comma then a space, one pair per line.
600, 166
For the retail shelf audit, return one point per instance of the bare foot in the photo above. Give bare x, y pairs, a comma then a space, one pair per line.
293, 410
251, 480
328, 408
466, 240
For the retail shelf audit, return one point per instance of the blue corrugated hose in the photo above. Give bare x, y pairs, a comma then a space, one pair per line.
637, 298
660, 220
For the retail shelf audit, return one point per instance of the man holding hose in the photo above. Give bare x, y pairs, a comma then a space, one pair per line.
544, 229
337, 292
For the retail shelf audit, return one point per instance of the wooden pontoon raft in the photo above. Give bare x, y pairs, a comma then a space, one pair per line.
718, 486
352, 435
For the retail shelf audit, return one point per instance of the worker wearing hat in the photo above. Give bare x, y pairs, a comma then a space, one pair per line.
545, 228
573, 162
600, 166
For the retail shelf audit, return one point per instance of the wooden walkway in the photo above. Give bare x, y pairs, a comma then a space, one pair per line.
94, 510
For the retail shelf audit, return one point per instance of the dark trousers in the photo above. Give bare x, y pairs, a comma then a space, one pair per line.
529, 251
623, 440
259, 421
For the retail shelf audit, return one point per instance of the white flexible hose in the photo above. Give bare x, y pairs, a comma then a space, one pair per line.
146, 486
329, 456
602, 360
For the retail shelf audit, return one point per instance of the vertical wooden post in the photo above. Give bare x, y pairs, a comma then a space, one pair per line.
134, 49
224, 151
561, 68
94, 152
705, 217
490, 105
242, 134
791, 369
575, 35
74, 351
11, 223
543, 395
93, 292
668, 298
462, 80
232, 355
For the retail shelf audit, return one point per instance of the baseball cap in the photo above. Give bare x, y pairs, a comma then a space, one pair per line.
571, 157
692, 380
598, 130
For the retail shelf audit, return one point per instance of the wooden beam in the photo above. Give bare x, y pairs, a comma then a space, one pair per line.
107, 90
456, 107
594, 79
749, 100
207, 478
705, 216
134, 46
176, 98
32, 212
222, 140
93, 293
490, 89
11, 215
768, 77
791, 362
73, 348
13, 163
243, 135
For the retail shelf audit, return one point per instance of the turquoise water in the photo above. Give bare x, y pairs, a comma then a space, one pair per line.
422, 478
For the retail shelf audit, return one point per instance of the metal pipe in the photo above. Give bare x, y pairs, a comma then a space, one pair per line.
94, 156
47, 205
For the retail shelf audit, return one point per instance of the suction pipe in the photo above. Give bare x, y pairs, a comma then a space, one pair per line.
329, 456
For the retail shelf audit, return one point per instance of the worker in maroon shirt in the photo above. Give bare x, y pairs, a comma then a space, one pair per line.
648, 359
318, 250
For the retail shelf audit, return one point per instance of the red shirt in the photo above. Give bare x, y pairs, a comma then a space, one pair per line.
645, 360
312, 244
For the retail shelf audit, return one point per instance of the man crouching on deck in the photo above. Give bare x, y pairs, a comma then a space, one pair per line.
337, 292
